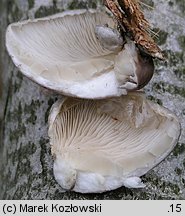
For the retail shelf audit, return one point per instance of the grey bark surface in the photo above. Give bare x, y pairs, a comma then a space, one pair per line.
26, 161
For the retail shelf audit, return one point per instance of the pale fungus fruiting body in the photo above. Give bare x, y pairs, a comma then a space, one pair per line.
102, 145
78, 53
97, 145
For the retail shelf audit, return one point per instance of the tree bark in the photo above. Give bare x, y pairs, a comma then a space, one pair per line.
26, 161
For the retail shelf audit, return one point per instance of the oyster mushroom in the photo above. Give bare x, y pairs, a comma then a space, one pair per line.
68, 53
100, 145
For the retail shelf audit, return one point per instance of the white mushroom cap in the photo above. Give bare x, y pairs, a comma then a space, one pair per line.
64, 53
105, 144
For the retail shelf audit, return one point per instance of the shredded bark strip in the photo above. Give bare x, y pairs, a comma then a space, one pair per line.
131, 19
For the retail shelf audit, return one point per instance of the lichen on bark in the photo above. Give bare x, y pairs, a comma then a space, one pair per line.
26, 165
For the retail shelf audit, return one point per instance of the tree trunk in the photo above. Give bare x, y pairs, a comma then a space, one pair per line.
26, 161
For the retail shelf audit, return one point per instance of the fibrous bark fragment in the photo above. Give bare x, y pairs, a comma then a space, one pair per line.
131, 19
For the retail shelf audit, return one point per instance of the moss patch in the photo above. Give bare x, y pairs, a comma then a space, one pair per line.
163, 187
156, 100
14, 10
31, 111
162, 36
82, 4
179, 149
46, 11
171, 3
181, 5
181, 41
45, 169
18, 132
18, 83
178, 171
174, 58
31, 4
180, 72
166, 87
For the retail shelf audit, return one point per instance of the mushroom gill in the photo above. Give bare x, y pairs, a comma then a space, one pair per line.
105, 144
68, 52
